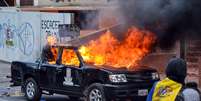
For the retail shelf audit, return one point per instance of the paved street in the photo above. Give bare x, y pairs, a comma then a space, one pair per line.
44, 98
13, 93
4, 71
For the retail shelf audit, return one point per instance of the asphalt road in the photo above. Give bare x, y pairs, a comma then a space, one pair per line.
44, 98
13, 93
4, 71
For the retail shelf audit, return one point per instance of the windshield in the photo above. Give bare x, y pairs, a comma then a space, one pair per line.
93, 60
85, 57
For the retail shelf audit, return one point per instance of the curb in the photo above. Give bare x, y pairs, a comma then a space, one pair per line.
10, 92
6, 62
15, 94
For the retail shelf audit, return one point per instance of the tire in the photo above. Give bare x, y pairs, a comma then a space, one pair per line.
22, 89
32, 90
74, 98
95, 92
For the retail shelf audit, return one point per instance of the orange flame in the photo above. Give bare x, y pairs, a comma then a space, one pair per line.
54, 56
51, 40
107, 50
69, 57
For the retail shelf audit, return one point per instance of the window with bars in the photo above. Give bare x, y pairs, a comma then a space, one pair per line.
26, 2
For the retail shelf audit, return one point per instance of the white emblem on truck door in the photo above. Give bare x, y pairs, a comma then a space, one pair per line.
68, 79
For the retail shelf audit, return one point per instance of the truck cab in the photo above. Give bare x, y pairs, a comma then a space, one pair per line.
62, 70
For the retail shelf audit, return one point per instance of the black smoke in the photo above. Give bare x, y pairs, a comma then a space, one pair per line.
169, 19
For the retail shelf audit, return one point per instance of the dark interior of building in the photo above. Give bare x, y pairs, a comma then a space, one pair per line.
5, 3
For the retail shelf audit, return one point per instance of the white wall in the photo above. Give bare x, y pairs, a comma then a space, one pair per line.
66, 2
23, 34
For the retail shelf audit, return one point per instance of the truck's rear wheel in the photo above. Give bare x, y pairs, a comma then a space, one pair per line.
95, 92
32, 91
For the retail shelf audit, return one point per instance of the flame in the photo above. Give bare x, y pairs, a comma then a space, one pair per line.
69, 57
51, 40
54, 55
107, 50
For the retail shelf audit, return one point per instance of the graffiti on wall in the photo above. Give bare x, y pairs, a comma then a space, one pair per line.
49, 24
7, 34
7, 31
22, 39
14, 37
26, 38
1, 37
50, 28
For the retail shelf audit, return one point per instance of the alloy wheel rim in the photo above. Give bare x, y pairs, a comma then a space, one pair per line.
95, 95
30, 90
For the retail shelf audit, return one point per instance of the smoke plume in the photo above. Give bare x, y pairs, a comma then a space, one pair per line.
169, 19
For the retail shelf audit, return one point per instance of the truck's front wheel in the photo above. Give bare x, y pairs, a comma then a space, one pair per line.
95, 92
32, 91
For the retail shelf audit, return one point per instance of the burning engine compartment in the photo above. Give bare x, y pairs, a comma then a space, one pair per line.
110, 51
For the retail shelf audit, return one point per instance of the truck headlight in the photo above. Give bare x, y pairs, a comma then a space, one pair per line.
117, 78
155, 76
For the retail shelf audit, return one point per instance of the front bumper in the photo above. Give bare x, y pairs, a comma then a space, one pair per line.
126, 91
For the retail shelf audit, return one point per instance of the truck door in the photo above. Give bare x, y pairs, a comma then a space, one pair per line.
48, 67
70, 78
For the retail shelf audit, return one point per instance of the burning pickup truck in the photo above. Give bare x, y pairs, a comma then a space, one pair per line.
62, 70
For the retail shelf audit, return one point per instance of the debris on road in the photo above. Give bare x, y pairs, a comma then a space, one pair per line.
10, 91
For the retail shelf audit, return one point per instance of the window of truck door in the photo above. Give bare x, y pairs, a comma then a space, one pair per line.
69, 57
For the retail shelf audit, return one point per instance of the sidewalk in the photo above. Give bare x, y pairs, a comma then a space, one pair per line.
8, 91
5, 89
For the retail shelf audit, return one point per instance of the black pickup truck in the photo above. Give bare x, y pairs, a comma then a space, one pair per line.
56, 73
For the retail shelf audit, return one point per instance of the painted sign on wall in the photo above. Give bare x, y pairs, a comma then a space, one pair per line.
50, 23
22, 39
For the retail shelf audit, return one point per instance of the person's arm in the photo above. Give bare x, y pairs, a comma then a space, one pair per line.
180, 97
149, 97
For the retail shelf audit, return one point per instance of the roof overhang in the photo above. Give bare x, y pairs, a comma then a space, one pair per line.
63, 8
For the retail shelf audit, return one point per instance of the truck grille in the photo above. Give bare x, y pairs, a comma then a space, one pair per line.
141, 77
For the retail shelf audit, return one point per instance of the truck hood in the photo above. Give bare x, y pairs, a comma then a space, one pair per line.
123, 69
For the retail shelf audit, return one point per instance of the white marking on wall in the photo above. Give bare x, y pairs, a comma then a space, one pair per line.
23, 34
